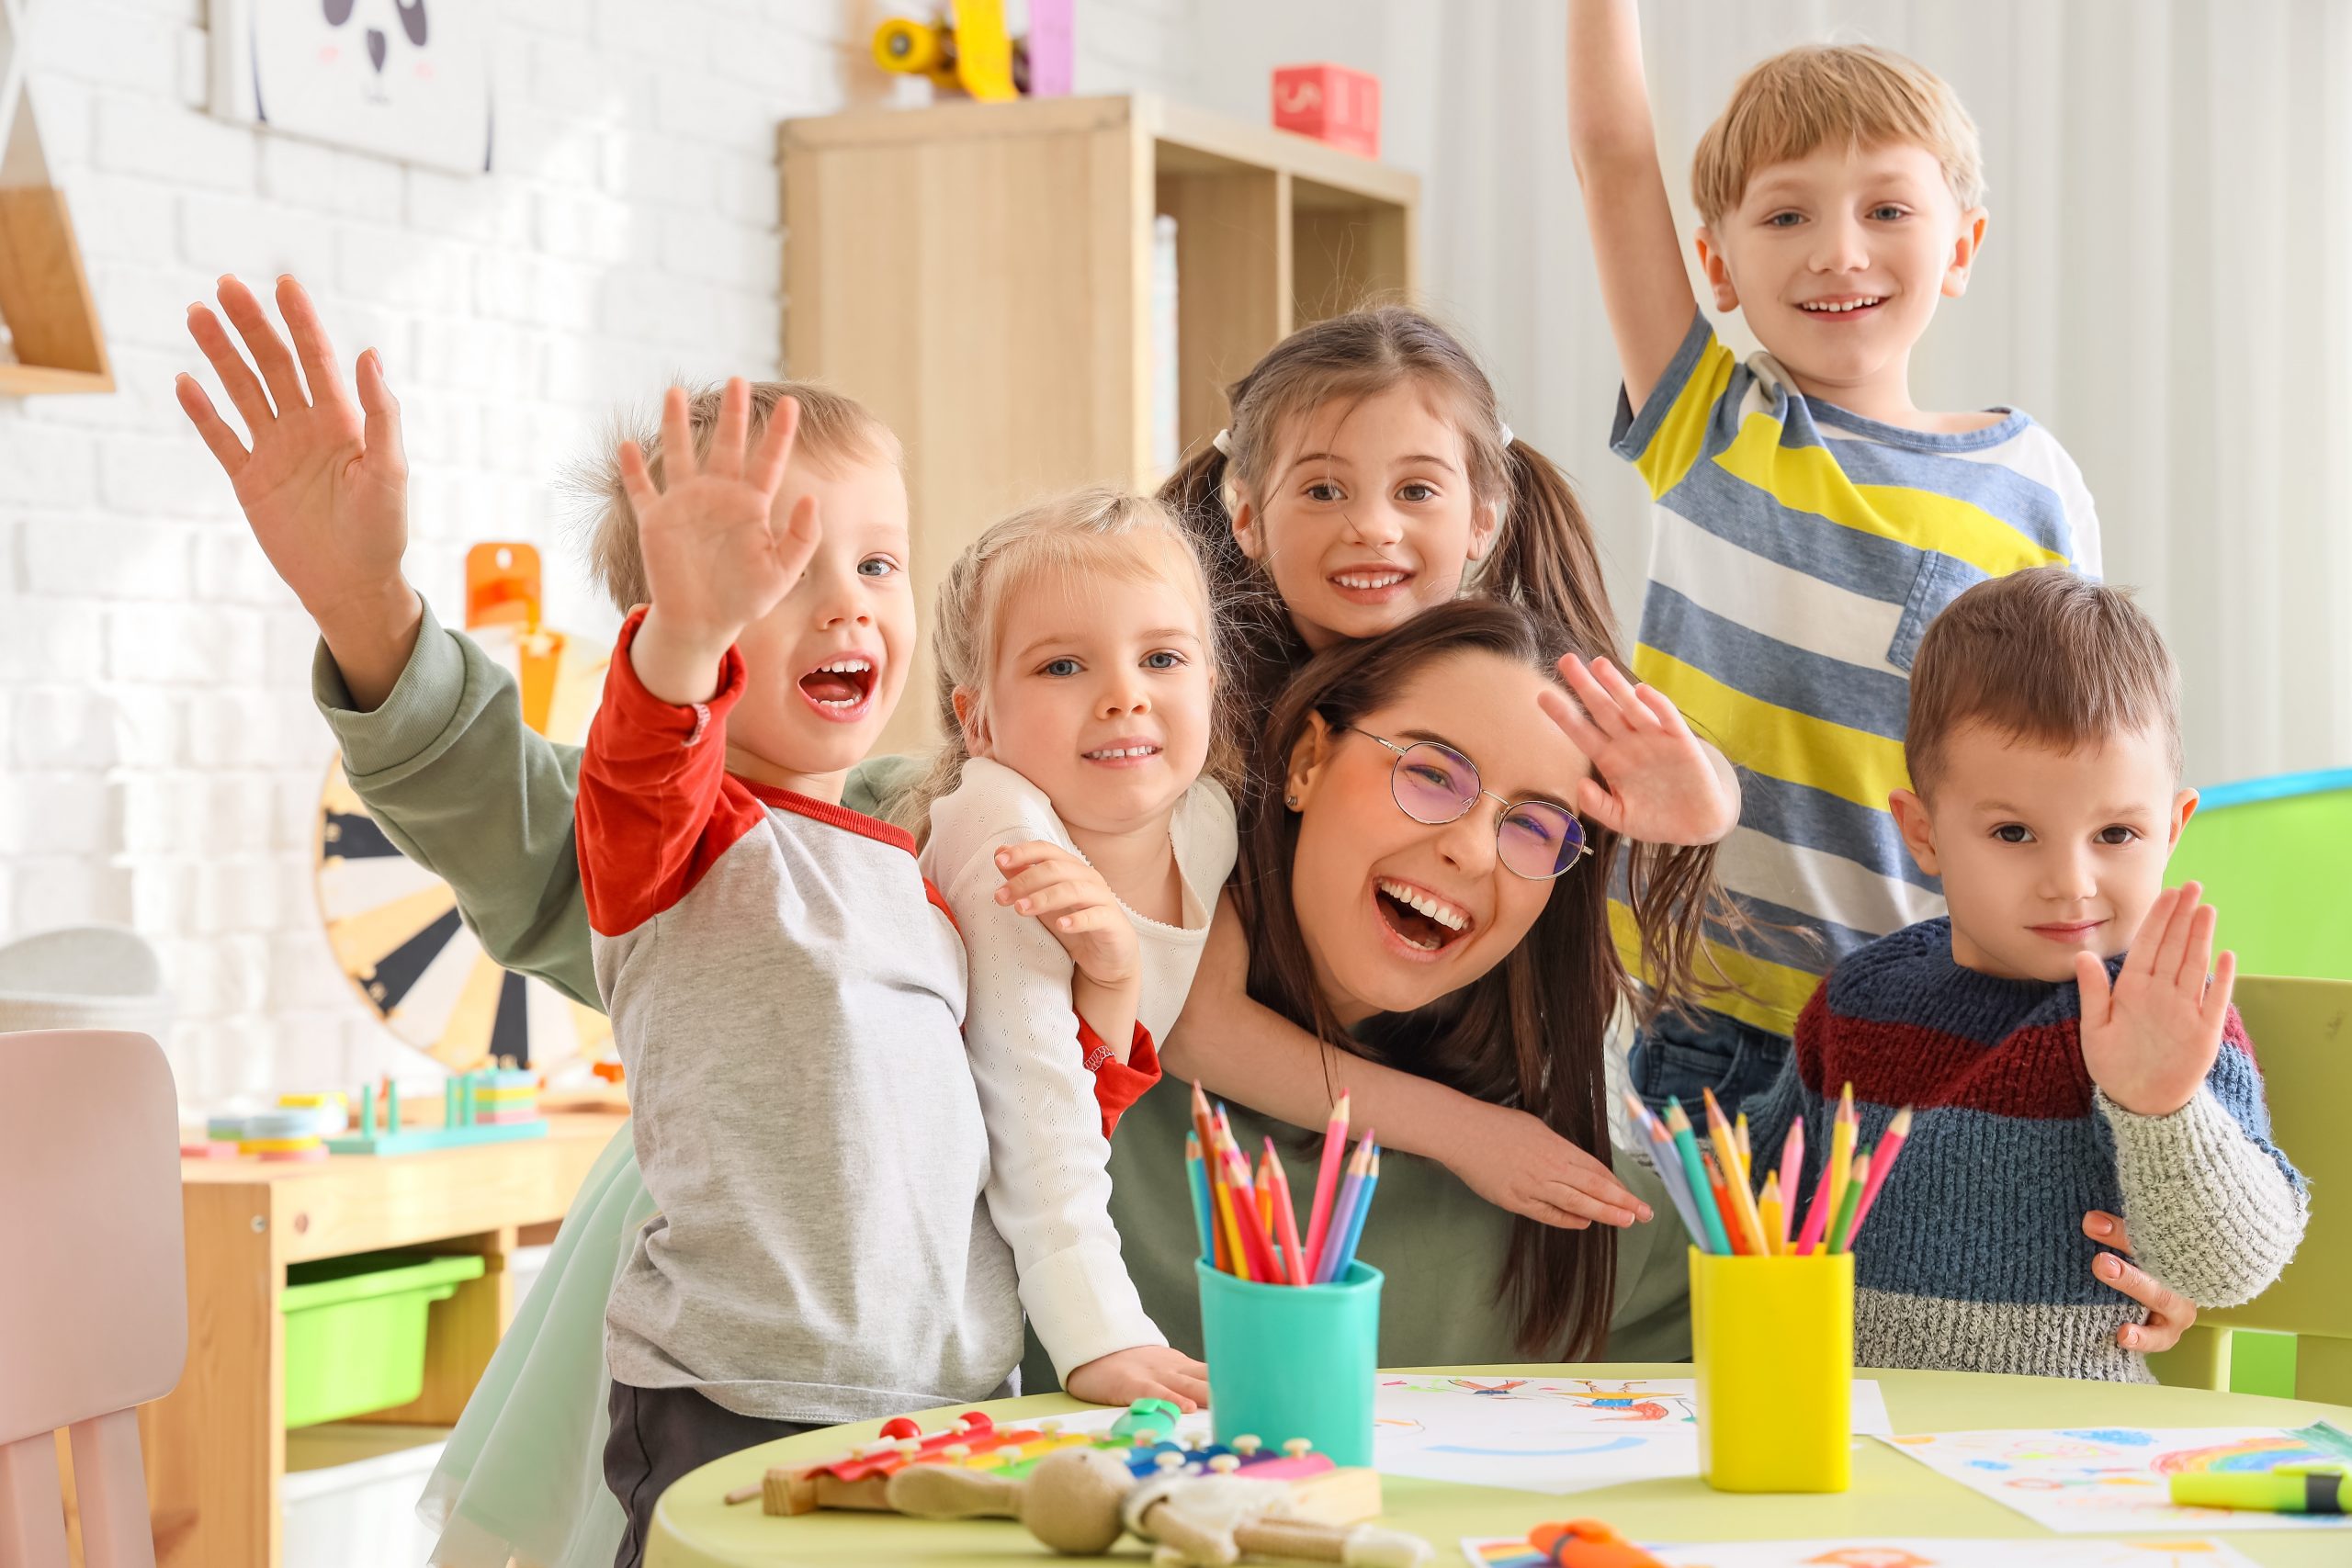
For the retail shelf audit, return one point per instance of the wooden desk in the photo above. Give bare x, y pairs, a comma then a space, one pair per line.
216, 1447
692, 1527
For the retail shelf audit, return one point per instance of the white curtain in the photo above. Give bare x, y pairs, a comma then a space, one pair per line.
2167, 283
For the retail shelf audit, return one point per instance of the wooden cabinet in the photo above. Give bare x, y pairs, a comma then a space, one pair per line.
982, 276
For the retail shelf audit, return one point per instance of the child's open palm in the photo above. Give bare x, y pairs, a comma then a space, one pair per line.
2150, 1038
324, 486
1653, 781
715, 559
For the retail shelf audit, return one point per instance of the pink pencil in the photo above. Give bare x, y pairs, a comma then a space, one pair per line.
1882, 1161
1791, 1167
1326, 1185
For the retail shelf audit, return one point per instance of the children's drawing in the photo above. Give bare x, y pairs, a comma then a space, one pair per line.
1550, 1435
1901, 1553
408, 79
2117, 1478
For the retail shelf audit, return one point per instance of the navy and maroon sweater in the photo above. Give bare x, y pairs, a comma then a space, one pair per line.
1973, 1258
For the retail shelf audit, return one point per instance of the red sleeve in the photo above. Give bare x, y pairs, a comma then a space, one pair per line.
1117, 1084
656, 808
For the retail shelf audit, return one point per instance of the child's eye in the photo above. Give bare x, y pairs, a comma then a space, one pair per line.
1325, 492
1417, 490
1887, 212
2014, 833
2116, 835
877, 566
1783, 220
1059, 667
1164, 659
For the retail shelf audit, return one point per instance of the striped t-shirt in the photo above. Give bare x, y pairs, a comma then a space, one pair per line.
1800, 552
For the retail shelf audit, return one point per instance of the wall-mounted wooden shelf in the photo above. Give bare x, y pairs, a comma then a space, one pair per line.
45, 297
981, 275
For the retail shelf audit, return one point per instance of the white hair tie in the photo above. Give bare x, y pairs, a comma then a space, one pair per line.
1223, 442
1504, 431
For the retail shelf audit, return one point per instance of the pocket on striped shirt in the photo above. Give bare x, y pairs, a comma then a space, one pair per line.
1939, 580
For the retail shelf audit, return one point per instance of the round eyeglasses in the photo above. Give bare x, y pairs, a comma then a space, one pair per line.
1432, 783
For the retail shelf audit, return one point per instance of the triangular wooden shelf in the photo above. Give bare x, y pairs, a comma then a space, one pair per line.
44, 294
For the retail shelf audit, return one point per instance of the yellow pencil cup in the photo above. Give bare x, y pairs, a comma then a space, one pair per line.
1774, 1339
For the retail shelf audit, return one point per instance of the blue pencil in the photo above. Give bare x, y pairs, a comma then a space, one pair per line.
1668, 1161
1198, 1174
1347, 1248
1343, 1214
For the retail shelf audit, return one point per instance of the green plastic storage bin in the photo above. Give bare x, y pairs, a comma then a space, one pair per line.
2276, 858
354, 1330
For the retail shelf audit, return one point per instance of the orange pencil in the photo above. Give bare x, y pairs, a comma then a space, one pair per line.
1723, 1205
1266, 1193
1231, 1256
1742, 1202
1286, 1216
1254, 1244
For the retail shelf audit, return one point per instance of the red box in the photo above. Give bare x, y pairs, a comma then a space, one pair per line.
1331, 103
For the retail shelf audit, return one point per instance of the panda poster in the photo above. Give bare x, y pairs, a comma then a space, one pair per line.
408, 79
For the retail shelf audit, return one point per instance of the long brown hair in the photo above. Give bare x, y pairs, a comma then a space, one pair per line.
1543, 555
1527, 1033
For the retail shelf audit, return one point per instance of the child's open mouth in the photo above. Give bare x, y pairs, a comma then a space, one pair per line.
1124, 754
1419, 918
1370, 584
1847, 308
840, 689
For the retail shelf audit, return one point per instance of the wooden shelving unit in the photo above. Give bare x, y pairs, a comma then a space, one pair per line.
44, 294
981, 275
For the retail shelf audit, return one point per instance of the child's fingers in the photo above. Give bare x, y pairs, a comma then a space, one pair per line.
636, 480
237, 379
310, 343
227, 450
2173, 940
270, 351
2217, 995
1014, 859
776, 446
2090, 978
1055, 898
1035, 879
382, 432
796, 546
728, 441
2197, 952
678, 463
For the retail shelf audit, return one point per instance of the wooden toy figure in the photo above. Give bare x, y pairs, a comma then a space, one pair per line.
1080, 1503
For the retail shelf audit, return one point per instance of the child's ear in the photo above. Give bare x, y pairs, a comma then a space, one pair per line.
1711, 262
968, 720
1246, 532
1963, 252
1307, 760
1918, 833
2184, 806
1485, 525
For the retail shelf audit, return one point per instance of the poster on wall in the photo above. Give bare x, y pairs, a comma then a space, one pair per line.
406, 79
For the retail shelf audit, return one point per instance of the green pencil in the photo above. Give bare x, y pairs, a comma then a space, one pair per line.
1840, 1233
1702, 1197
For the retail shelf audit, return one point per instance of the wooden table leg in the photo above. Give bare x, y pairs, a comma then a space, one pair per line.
218, 1443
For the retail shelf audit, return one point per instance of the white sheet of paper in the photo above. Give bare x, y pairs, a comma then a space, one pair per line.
2080, 1481
1900, 1551
1552, 1435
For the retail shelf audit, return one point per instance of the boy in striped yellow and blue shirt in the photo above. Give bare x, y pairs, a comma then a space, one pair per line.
1811, 520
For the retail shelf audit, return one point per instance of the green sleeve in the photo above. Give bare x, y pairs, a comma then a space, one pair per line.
454, 776
1652, 1319
875, 785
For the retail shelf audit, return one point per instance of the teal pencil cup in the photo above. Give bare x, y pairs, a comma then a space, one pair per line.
1293, 1360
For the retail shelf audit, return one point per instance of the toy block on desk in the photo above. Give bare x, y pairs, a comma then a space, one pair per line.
494, 1105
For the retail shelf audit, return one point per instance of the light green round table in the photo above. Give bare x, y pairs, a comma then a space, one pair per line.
693, 1528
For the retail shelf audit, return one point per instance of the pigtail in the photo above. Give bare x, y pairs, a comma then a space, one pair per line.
1546, 558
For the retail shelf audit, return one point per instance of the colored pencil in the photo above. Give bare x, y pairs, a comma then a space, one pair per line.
1816, 1219
1768, 1213
1266, 1195
1669, 1168
1882, 1161
1678, 1123
1342, 1215
1228, 1231
1747, 1150
1285, 1217
1721, 1193
1843, 1131
1327, 1188
1254, 1244
1345, 1253
1742, 1202
1196, 1176
1792, 1167
1841, 1234
1203, 1127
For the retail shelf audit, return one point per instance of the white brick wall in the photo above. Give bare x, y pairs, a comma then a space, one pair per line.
162, 759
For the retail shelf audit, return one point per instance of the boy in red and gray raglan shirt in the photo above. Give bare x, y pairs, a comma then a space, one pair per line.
785, 989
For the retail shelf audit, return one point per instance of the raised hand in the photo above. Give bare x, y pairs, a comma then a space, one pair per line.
2150, 1038
1071, 899
715, 560
324, 485
1653, 781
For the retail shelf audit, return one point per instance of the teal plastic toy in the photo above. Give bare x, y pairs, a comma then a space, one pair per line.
1153, 1418
1293, 1360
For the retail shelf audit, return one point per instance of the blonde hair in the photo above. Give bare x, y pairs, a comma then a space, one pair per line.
834, 429
1093, 530
2044, 656
1854, 96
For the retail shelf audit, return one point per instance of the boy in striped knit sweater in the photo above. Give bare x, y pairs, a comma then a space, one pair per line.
2058, 1031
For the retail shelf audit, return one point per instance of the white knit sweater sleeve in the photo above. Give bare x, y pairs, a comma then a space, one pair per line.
1048, 1188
